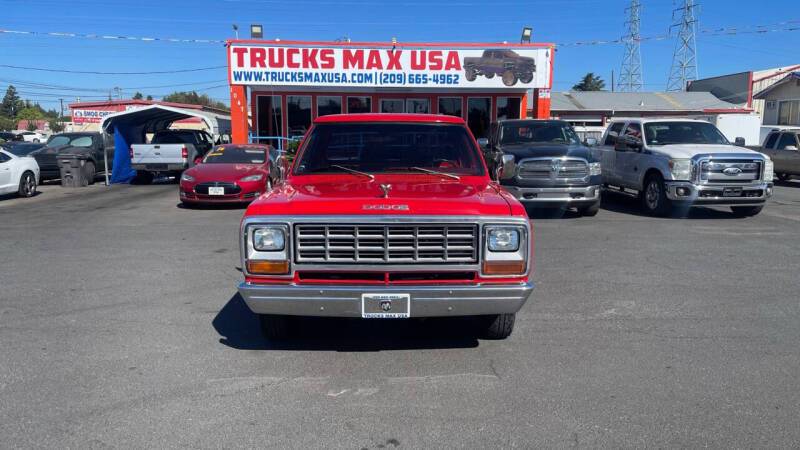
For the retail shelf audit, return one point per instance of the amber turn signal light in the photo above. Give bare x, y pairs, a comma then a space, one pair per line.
503, 267
268, 267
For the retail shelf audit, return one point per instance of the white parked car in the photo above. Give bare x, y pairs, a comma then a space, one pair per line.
33, 136
18, 174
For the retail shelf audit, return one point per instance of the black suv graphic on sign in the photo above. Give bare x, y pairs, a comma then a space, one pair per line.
509, 65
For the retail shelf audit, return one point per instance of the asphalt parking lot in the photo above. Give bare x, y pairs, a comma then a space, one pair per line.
121, 327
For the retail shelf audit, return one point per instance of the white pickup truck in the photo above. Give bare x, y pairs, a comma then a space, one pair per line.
170, 151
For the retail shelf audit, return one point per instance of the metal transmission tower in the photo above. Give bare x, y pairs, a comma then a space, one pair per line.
630, 79
684, 60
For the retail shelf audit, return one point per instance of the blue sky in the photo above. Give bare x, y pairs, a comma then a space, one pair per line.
564, 22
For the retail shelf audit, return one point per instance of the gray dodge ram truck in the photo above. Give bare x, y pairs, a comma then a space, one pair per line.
543, 162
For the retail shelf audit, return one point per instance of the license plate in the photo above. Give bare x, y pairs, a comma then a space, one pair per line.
385, 306
216, 191
156, 166
732, 192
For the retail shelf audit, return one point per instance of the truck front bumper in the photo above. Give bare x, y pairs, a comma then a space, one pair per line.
718, 194
167, 167
345, 301
575, 196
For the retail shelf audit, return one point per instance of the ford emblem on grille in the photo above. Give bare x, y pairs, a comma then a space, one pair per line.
732, 171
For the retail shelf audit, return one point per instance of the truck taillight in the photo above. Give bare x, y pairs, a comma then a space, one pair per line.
184, 152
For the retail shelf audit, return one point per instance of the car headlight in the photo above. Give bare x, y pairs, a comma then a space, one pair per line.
269, 239
258, 177
503, 239
769, 171
187, 177
595, 169
681, 169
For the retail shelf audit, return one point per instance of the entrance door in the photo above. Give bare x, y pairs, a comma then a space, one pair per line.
392, 105
270, 118
479, 115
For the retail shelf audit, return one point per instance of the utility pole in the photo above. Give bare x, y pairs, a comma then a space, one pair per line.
61, 116
630, 77
684, 60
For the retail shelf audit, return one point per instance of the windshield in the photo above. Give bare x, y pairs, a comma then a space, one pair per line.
232, 154
72, 141
665, 133
538, 132
389, 148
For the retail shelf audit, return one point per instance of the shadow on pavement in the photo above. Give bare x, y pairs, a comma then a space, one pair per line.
238, 328
211, 206
625, 204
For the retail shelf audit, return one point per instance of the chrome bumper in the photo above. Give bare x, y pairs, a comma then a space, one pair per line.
698, 194
345, 301
582, 194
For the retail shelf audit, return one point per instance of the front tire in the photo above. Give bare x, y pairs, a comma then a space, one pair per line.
470, 73
526, 77
589, 211
276, 328
509, 78
654, 197
91, 172
27, 185
499, 326
746, 211
489, 75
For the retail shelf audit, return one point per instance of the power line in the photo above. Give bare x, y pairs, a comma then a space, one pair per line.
92, 72
630, 79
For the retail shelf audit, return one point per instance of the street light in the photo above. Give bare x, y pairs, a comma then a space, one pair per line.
256, 31
236, 30
526, 35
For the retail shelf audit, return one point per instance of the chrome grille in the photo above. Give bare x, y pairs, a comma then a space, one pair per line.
396, 243
718, 171
552, 168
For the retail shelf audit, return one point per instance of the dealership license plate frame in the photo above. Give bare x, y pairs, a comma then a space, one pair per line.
732, 192
372, 306
216, 190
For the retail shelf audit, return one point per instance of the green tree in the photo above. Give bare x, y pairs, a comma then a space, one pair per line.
56, 126
150, 97
590, 82
31, 125
11, 103
193, 98
138, 96
31, 113
7, 123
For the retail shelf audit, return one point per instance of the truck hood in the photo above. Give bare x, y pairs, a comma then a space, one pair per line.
689, 150
224, 172
522, 151
410, 194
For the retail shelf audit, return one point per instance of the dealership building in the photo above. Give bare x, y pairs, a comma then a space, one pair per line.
278, 87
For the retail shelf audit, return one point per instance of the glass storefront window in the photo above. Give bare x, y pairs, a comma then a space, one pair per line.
450, 106
392, 105
327, 105
789, 112
359, 105
479, 115
418, 105
508, 107
298, 108
270, 118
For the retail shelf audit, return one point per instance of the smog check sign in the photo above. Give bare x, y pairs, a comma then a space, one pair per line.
520, 67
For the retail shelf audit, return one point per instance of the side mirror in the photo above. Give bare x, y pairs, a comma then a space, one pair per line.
590, 142
790, 147
483, 142
507, 169
739, 141
283, 166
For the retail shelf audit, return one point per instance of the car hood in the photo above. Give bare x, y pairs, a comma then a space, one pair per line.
409, 194
224, 172
522, 151
689, 150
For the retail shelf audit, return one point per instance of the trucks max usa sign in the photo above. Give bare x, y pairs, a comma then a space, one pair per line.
502, 67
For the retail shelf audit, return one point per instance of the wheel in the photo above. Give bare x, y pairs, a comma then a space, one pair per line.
746, 211
36, 141
276, 328
509, 78
470, 73
27, 185
489, 75
143, 177
589, 211
526, 77
91, 172
499, 326
654, 197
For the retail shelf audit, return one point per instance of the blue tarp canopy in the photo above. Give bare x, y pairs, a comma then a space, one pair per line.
132, 126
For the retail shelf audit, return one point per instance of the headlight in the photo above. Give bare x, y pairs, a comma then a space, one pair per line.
595, 169
269, 239
187, 177
258, 177
769, 171
681, 169
503, 239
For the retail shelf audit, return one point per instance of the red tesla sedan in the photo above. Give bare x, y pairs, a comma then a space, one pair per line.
229, 174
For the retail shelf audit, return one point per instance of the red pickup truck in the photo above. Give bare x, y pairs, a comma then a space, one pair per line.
386, 216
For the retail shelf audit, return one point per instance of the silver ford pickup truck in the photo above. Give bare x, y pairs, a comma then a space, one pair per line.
669, 162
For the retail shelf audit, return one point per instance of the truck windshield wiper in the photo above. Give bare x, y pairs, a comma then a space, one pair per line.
354, 171
436, 172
